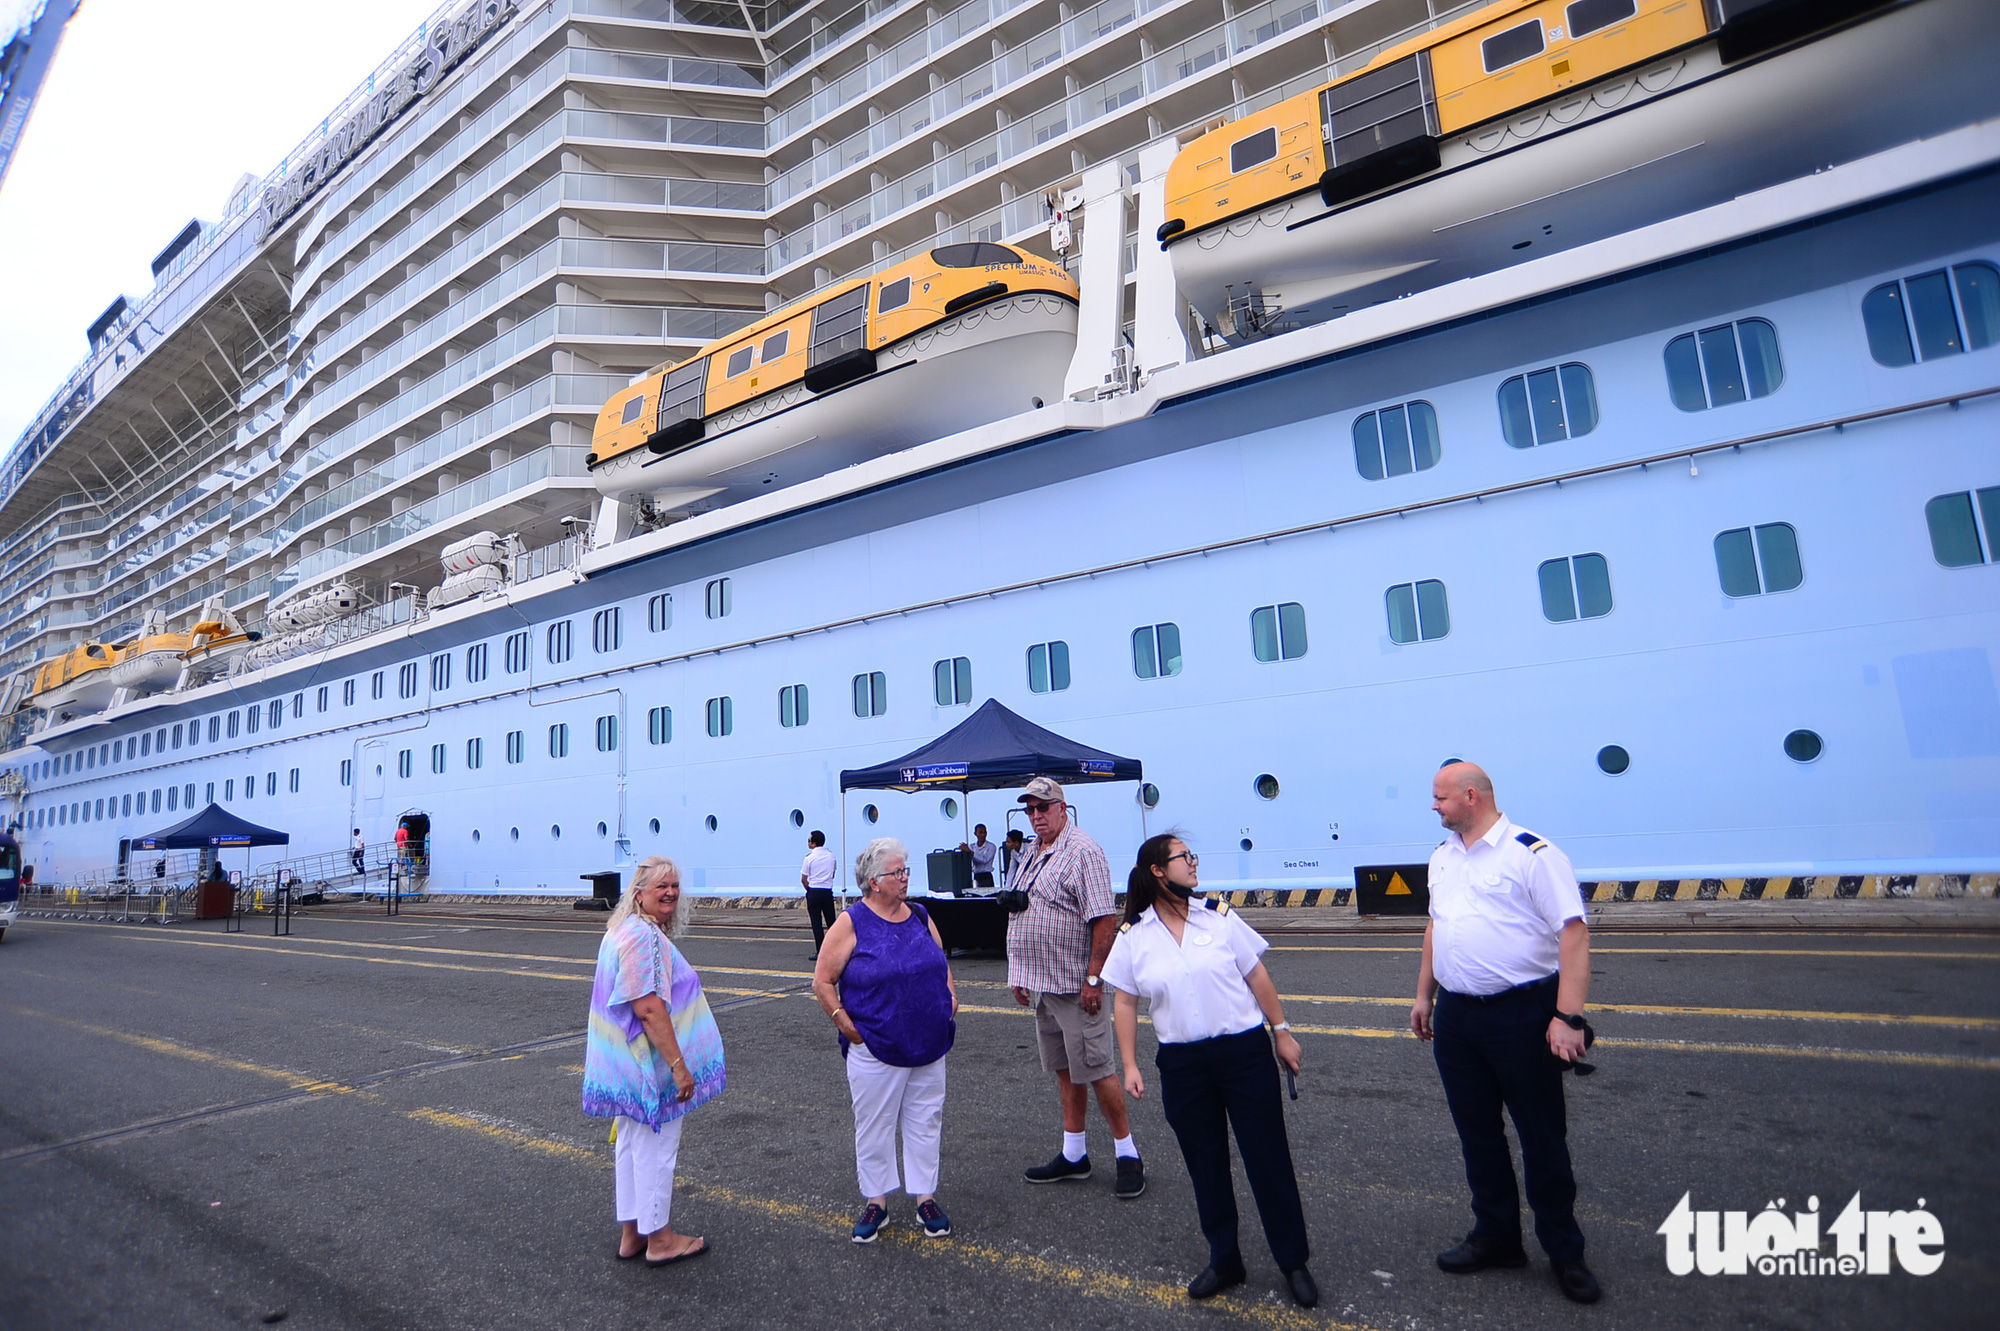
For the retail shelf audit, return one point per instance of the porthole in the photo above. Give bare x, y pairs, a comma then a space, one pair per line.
1803, 746
1612, 759
602, 829
1267, 787
513, 834
798, 817
475, 836
555, 831
709, 822
870, 813
1244, 844
1149, 795
948, 808
654, 827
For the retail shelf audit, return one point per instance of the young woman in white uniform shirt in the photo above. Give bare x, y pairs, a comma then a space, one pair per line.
1200, 968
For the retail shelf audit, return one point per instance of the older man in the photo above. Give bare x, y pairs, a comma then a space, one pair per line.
1055, 957
1505, 971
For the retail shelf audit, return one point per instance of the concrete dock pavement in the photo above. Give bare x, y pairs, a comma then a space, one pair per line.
374, 1123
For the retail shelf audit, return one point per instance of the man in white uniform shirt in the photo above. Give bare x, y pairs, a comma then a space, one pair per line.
817, 877
1505, 972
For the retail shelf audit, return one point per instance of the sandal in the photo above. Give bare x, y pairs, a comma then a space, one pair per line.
694, 1249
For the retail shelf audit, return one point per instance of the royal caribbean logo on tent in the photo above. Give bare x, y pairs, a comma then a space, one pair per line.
1095, 767
916, 776
1734, 1243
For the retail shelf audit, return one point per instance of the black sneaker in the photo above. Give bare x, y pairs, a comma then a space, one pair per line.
937, 1225
1479, 1254
1131, 1178
1059, 1170
869, 1224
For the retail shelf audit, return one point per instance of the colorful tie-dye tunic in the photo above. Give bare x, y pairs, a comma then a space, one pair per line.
622, 1072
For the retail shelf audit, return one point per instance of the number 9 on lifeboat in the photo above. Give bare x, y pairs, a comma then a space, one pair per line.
953, 338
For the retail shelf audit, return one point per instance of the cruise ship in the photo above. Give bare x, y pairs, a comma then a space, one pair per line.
624, 416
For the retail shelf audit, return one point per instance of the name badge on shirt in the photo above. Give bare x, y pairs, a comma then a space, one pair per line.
1491, 882
1202, 940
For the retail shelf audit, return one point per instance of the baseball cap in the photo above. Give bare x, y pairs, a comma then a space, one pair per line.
1042, 788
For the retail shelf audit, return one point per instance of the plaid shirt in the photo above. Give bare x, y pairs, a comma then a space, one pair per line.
1048, 944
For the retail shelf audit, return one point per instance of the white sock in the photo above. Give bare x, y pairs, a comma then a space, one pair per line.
1123, 1148
1074, 1148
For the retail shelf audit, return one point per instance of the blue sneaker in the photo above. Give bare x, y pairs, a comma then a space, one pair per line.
870, 1223
937, 1225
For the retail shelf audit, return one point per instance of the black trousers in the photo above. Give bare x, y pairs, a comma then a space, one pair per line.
819, 906
1207, 1087
355, 855
1492, 1053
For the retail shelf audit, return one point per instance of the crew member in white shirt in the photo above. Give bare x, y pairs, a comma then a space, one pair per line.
1200, 968
1501, 989
817, 877
984, 852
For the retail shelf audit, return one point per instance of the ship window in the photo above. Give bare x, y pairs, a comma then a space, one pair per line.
235, 724
125, 806
895, 295
871, 693
440, 672
793, 708
633, 406
475, 663
1048, 667
146, 745
951, 681
774, 346
187, 794
253, 718
559, 643
1418, 611
721, 717
1751, 561
559, 740
1588, 16
1575, 588
1278, 632
377, 683
1803, 746
294, 784
475, 753
346, 774
517, 746
1254, 150
347, 693
607, 734
1725, 364
1559, 402
323, 697
1949, 316
660, 613
1512, 46
717, 598
156, 794
516, 659
1156, 651
1396, 441
437, 759
405, 765
606, 631
1965, 527
406, 679
270, 783
973, 254
298, 705
275, 713
739, 360
118, 751
660, 725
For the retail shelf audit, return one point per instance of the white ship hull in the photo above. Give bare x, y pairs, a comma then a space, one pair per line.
1679, 134
984, 365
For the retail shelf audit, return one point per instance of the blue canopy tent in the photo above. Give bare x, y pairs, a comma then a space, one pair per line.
211, 829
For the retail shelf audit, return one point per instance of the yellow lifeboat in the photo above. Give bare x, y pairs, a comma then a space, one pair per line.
1528, 127
76, 683
152, 661
955, 337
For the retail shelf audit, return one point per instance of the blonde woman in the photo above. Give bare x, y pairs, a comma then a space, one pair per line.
652, 1054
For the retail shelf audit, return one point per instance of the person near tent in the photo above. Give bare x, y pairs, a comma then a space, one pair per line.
816, 876
884, 981
1055, 959
983, 853
357, 850
1010, 852
652, 1055
1200, 969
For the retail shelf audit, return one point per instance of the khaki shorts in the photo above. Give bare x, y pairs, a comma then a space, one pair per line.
1074, 1041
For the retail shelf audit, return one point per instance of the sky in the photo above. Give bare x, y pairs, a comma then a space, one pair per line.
152, 112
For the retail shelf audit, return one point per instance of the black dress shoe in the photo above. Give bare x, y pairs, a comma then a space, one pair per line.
1304, 1292
1477, 1254
1212, 1282
1575, 1280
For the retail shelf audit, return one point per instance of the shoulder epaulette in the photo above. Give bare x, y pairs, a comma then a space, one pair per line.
1531, 841
1218, 905
1125, 928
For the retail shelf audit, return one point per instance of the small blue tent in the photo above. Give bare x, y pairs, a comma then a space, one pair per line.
212, 828
992, 749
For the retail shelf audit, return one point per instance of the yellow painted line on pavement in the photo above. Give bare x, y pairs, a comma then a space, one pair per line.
1094, 1282
154, 1044
1660, 1009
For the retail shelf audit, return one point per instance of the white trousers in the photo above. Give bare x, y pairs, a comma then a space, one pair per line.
644, 1161
885, 1098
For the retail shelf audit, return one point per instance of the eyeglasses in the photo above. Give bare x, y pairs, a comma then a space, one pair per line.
1035, 807
1188, 855
895, 873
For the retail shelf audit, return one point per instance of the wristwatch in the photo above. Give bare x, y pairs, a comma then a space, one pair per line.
1093, 980
1575, 1023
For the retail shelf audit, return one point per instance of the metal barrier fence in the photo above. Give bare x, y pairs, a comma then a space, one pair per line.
131, 904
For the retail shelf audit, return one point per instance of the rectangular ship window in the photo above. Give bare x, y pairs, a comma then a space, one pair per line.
1253, 150
1511, 47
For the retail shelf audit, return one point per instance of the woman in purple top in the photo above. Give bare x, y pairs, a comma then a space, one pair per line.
883, 978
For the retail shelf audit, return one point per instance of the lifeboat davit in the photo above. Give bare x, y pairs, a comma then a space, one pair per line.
958, 336
217, 639
1531, 126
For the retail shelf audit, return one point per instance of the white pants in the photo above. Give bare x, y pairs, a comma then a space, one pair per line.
644, 1160
885, 1097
